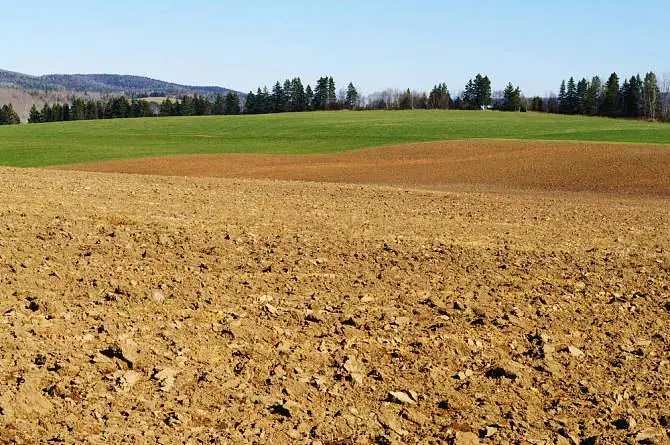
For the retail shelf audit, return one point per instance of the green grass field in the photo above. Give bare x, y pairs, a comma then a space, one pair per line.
302, 133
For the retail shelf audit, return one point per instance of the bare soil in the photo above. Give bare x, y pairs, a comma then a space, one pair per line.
146, 309
529, 165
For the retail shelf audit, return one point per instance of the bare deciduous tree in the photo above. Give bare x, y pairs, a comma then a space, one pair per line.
665, 97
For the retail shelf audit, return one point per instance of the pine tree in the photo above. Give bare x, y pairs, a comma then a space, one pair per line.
57, 112
469, 99
631, 97
277, 99
47, 113
78, 109
477, 93
8, 116
34, 117
201, 105
484, 92
186, 107
562, 99
91, 110
511, 98
439, 97
611, 100
351, 101
263, 100
166, 108
232, 105
582, 93
309, 98
298, 96
593, 96
219, 105
249, 105
332, 94
571, 97
321, 94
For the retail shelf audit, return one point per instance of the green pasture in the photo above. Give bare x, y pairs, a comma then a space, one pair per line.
297, 133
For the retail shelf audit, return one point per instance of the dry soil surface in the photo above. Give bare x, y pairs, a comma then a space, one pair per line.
536, 165
145, 309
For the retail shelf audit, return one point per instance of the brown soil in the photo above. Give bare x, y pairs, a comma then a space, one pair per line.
144, 309
617, 168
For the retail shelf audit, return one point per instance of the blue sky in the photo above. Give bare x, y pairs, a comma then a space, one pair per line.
375, 44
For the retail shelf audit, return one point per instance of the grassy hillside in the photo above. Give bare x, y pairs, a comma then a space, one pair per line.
85, 141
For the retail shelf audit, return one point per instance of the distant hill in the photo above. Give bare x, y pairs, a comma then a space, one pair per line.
105, 84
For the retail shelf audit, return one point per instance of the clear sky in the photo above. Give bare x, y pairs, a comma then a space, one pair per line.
376, 44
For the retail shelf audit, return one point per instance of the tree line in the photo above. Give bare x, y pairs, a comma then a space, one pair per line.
292, 96
121, 107
200, 106
79, 109
477, 95
635, 98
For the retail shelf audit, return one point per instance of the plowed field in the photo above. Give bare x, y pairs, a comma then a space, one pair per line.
148, 309
537, 165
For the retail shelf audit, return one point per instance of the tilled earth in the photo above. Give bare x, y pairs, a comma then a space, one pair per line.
143, 309
451, 165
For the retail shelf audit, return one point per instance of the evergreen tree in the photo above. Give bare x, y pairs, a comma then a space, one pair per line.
320, 99
187, 107
78, 109
35, 116
263, 101
298, 96
201, 105
166, 108
593, 97
571, 97
249, 105
562, 99
8, 116
91, 110
219, 104
56, 113
439, 97
277, 104
351, 101
309, 98
611, 101
469, 99
483, 91
511, 98
332, 94
477, 93
631, 97
232, 104
582, 93
178, 108
47, 113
